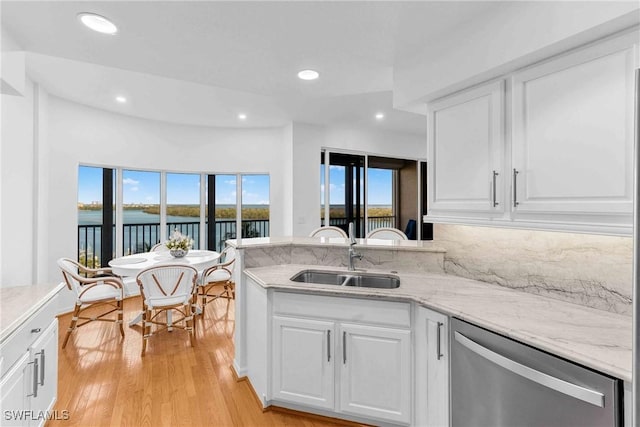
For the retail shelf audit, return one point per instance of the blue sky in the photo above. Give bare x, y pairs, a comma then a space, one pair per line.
380, 186
144, 187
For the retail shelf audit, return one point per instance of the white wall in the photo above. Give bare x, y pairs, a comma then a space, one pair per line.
510, 36
17, 188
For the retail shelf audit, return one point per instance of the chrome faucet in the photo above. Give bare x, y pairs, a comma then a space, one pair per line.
352, 252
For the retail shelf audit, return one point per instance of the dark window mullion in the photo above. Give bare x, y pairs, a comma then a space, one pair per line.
106, 251
211, 214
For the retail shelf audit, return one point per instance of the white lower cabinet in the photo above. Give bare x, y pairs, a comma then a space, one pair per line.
432, 368
321, 358
375, 372
303, 361
29, 373
16, 386
44, 356
29, 387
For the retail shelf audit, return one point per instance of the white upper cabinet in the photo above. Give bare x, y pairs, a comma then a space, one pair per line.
558, 156
466, 153
573, 137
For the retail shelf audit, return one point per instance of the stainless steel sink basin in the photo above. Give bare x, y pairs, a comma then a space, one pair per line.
351, 278
319, 276
384, 281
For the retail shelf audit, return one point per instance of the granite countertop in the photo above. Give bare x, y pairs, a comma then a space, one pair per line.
382, 244
17, 303
593, 338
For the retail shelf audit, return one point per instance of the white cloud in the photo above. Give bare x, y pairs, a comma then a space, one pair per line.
331, 187
134, 189
230, 182
130, 181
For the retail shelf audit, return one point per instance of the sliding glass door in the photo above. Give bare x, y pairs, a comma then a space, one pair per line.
373, 192
346, 191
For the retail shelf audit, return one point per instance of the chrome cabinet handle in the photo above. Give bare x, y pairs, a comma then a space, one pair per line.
495, 201
438, 345
328, 345
35, 378
344, 347
586, 395
515, 188
41, 366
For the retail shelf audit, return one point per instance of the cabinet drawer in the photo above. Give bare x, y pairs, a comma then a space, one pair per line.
20, 340
387, 313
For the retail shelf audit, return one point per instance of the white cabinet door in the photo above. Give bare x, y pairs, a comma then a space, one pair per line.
303, 361
466, 153
45, 351
437, 360
573, 137
375, 372
15, 388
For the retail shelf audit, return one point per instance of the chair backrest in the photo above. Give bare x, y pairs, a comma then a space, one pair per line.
228, 258
70, 274
167, 282
387, 233
328, 231
159, 247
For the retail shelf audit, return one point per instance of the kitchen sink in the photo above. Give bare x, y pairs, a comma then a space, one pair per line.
351, 278
319, 276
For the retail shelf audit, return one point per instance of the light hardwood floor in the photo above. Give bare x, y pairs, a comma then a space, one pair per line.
103, 381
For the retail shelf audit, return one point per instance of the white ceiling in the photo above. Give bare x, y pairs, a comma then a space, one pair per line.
203, 62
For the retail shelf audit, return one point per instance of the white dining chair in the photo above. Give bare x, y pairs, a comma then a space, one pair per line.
217, 281
168, 289
159, 247
328, 231
93, 288
387, 233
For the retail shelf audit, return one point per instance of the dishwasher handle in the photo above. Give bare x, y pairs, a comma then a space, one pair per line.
578, 392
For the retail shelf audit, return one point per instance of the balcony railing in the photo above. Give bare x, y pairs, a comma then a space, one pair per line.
141, 237
374, 222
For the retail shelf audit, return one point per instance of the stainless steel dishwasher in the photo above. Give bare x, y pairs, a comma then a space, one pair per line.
496, 381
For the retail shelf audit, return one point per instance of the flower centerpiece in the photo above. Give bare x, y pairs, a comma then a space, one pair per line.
179, 244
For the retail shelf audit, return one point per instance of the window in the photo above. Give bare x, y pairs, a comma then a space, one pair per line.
141, 210
154, 203
96, 200
183, 205
255, 206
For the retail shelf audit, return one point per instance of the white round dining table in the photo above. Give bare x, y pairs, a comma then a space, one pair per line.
131, 265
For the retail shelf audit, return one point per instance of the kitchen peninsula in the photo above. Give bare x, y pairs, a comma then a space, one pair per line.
597, 339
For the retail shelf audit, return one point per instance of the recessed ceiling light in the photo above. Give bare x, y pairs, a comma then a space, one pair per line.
121, 99
379, 116
242, 116
97, 23
308, 75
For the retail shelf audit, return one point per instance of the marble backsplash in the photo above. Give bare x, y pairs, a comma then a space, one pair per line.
591, 270
375, 258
